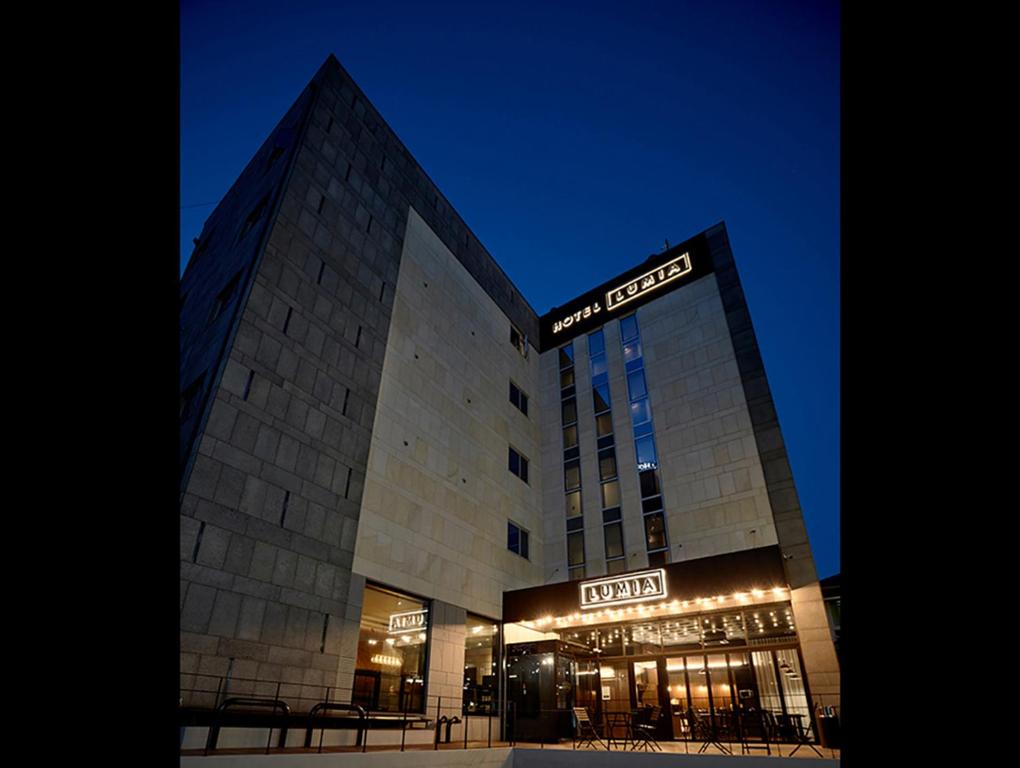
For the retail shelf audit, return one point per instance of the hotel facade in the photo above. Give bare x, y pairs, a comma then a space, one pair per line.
400, 485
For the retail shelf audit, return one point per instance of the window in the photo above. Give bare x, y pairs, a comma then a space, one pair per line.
518, 464
652, 507
224, 297
253, 217
481, 643
519, 340
390, 671
517, 539
518, 398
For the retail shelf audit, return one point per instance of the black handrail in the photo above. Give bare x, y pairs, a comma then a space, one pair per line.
237, 701
325, 706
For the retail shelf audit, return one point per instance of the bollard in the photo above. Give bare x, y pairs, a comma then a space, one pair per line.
439, 705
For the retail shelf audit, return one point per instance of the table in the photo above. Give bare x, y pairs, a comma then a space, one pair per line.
616, 720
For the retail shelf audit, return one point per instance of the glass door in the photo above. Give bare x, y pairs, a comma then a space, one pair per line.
679, 700
646, 684
615, 691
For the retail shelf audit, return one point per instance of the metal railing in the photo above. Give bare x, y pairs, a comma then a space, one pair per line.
221, 702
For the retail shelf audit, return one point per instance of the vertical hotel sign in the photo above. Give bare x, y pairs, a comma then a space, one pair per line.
622, 590
632, 289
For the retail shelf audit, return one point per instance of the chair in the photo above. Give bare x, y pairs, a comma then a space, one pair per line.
772, 731
804, 736
752, 731
645, 724
584, 729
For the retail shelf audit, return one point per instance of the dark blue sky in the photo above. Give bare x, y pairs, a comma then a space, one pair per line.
573, 138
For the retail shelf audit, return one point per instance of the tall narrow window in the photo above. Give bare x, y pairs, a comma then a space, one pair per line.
571, 465
652, 507
609, 489
481, 654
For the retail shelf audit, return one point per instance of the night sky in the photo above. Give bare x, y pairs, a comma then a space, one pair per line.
574, 138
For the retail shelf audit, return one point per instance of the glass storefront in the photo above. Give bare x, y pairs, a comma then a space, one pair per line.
389, 675
702, 670
480, 659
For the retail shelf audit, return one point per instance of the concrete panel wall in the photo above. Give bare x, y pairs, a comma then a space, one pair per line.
712, 478
438, 492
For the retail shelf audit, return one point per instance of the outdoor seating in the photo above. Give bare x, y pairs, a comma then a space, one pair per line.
584, 729
803, 736
752, 731
644, 724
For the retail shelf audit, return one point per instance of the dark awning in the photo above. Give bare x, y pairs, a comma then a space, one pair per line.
760, 568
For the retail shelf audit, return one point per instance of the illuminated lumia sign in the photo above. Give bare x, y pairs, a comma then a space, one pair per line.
411, 621
649, 281
634, 289
620, 590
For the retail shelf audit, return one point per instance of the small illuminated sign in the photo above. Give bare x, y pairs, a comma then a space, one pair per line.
581, 314
620, 590
650, 281
643, 465
411, 621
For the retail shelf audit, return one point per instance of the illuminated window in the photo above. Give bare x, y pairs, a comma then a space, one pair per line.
389, 674
481, 653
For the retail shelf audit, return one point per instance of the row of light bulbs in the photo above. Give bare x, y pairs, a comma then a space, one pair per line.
643, 609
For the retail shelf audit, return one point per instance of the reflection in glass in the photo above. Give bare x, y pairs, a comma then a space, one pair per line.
645, 448
636, 384
615, 696
639, 412
631, 350
607, 464
575, 548
655, 531
480, 665
628, 327
573, 504
572, 475
646, 684
390, 668
614, 540
569, 411
610, 494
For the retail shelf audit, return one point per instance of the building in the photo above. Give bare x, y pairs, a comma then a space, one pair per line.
394, 472
831, 592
